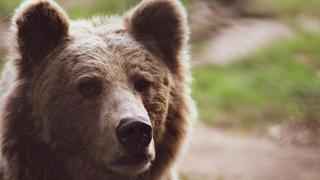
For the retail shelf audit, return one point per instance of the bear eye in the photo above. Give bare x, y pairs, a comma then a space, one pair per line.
142, 85
90, 88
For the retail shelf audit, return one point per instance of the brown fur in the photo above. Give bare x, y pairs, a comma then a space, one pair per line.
50, 132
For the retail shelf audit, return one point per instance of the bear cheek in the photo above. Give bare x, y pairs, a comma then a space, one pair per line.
73, 120
157, 106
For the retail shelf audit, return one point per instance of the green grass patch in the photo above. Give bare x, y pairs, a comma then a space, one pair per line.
77, 10
1, 64
288, 8
80, 10
101, 7
274, 85
293, 7
6, 8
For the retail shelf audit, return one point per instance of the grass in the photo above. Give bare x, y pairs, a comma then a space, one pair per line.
293, 7
277, 84
80, 9
77, 10
283, 8
101, 7
287, 8
1, 64
6, 8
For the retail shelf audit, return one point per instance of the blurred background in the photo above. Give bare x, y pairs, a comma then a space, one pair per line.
256, 68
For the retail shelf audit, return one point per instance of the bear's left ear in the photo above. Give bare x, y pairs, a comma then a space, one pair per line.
163, 24
39, 26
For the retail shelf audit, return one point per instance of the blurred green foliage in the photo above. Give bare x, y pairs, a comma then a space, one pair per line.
273, 85
286, 8
84, 9
101, 7
6, 8
293, 7
1, 63
79, 9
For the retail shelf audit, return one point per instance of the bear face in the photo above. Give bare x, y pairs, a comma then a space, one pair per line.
110, 91
107, 80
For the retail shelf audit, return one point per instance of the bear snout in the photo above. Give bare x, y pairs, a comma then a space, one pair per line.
134, 133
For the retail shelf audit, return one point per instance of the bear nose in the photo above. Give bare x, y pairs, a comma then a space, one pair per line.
134, 133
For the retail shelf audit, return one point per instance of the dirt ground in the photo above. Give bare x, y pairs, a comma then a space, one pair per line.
218, 155
241, 39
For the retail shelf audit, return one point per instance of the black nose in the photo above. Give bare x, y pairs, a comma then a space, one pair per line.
134, 133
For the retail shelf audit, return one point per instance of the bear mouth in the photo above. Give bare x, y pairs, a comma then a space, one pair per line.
133, 160
133, 164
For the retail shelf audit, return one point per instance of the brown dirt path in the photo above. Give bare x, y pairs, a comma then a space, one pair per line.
218, 155
240, 39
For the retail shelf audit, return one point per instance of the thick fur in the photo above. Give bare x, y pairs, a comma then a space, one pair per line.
50, 132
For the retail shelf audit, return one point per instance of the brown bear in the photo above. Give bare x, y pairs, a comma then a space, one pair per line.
99, 99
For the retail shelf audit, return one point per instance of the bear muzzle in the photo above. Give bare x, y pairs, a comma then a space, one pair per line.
134, 134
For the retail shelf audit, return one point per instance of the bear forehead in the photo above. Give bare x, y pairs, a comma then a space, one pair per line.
106, 35
103, 45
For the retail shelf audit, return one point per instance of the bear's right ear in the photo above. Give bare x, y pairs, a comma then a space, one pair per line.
39, 26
